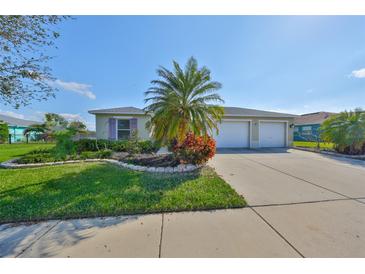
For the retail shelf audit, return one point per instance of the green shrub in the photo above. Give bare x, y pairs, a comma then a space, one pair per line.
64, 144
118, 146
346, 130
132, 146
106, 153
148, 146
33, 158
4, 132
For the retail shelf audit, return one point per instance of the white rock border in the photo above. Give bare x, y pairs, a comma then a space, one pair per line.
178, 169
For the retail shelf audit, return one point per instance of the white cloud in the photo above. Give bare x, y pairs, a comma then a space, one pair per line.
12, 114
72, 117
358, 73
79, 88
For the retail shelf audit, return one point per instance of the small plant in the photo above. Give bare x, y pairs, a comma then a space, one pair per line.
148, 146
4, 132
194, 149
346, 130
64, 144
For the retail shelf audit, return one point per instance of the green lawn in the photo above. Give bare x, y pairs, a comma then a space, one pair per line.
101, 189
8, 152
313, 145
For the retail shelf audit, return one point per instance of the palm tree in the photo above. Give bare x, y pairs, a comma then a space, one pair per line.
183, 101
346, 130
36, 128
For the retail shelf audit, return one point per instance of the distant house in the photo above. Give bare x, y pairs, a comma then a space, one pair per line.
17, 127
306, 126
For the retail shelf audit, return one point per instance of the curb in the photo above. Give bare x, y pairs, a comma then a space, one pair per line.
356, 157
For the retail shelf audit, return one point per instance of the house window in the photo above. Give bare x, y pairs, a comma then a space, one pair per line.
123, 129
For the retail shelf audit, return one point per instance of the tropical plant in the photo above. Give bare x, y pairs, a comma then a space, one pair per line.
346, 130
4, 132
183, 101
35, 128
194, 149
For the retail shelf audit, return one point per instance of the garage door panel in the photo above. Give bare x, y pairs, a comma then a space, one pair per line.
233, 134
272, 134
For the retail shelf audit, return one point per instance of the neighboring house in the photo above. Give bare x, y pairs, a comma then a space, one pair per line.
307, 125
240, 127
17, 127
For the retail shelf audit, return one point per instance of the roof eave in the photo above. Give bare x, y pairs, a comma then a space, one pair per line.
263, 116
116, 113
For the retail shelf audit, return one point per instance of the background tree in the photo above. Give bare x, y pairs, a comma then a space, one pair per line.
4, 132
183, 101
77, 126
24, 74
55, 121
346, 130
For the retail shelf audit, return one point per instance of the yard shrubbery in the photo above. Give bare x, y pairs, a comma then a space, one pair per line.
130, 146
66, 149
347, 131
194, 149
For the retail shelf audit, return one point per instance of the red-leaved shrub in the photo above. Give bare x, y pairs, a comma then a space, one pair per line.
194, 149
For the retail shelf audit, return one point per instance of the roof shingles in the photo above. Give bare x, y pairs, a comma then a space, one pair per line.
228, 111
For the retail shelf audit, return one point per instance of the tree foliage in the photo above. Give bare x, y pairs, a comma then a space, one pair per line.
24, 74
4, 132
346, 130
183, 101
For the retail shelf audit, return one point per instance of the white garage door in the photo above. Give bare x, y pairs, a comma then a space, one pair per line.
233, 134
272, 134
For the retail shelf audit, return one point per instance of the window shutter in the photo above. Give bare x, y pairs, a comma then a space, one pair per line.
133, 124
112, 129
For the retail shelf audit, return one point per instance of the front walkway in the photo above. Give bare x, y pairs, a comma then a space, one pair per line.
223, 233
301, 205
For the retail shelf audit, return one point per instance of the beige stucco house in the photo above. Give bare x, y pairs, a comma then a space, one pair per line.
240, 127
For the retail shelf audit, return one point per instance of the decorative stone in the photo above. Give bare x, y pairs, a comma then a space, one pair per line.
181, 168
151, 169
160, 169
169, 169
189, 167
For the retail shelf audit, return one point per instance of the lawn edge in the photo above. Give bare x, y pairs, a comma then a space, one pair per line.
39, 220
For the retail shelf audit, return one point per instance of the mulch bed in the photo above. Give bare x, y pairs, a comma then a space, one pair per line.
150, 160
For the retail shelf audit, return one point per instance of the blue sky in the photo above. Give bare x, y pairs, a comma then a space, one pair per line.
289, 64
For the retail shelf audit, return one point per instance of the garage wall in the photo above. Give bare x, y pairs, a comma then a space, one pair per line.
102, 127
255, 127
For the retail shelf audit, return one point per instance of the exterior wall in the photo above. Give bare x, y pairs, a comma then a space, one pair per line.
102, 125
306, 132
255, 127
102, 129
17, 134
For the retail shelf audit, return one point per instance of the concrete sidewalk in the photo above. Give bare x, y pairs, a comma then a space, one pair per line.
223, 233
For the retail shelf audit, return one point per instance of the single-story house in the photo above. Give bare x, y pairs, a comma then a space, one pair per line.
240, 127
306, 126
17, 127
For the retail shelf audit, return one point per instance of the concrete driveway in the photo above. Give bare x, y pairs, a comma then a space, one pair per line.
314, 203
301, 205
